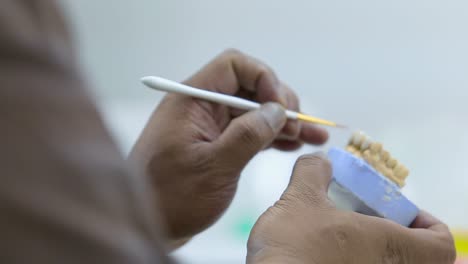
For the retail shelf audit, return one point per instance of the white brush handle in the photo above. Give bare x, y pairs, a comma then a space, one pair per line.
165, 85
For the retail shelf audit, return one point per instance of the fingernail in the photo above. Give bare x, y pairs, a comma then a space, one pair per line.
274, 115
321, 154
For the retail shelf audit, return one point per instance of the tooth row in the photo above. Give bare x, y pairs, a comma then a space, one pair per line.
363, 147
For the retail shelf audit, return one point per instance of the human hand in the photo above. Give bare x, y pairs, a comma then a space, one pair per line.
194, 151
305, 227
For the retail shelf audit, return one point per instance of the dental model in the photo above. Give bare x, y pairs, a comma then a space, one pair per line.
361, 146
368, 180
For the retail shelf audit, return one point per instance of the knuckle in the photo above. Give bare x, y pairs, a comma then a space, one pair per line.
394, 251
231, 53
264, 69
226, 61
343, 234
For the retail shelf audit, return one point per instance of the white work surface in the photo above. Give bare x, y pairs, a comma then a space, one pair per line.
396, 69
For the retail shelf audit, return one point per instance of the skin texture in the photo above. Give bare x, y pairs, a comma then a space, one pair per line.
194, 151
305, 227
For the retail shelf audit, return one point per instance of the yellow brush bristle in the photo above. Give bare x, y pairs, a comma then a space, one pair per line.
319, 121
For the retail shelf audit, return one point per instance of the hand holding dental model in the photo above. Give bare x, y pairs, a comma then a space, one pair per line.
305, 227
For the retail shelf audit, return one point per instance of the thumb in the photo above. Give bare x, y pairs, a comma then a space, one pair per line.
250, 133
309, 181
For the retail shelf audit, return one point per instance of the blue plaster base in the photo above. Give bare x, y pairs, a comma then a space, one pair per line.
358, 187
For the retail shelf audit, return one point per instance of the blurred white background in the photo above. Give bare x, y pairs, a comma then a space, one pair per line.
396, 69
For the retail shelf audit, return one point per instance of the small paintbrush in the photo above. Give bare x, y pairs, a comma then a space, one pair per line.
165, 85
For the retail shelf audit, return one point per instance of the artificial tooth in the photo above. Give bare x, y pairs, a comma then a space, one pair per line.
391, 163
384, 155
375, 148
397, 181
369, 158
381, 168
360, 145
365, 143
357, 138
388, 173
351, 139
401, 172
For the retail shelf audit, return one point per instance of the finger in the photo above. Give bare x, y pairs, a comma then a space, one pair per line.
232, 71
310, 134
398, 244
310, 180
307, 133
313, 134
286, 145
299, 131
429, 241
426, 221
248, 134
292, 128
434, 246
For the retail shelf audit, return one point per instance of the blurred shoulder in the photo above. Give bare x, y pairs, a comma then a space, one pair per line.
34, 30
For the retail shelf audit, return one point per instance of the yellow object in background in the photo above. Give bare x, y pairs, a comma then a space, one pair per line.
461, 243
